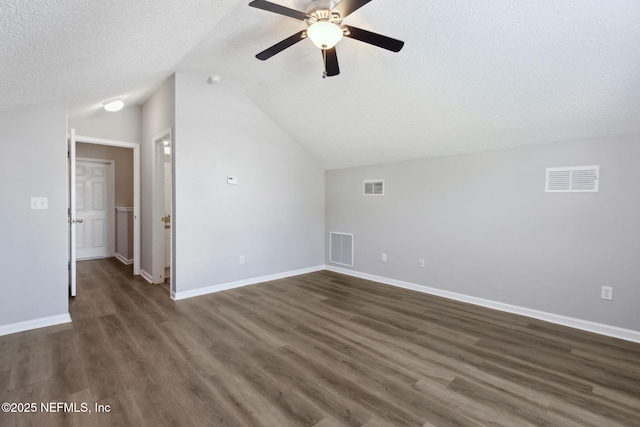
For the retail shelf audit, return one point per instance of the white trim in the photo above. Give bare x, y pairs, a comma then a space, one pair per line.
585, 325
28, 325
148, 277
136, 189
238, 284
71, 206
122, 259
123, 209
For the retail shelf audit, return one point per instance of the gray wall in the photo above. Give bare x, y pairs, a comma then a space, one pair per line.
158, 114
34, 243
487, 229
123, 125
274, 216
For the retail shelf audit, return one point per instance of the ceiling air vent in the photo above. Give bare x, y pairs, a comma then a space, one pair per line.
572, 179
373, 187
341, 249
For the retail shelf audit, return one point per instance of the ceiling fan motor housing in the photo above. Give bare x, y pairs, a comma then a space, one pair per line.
320, 10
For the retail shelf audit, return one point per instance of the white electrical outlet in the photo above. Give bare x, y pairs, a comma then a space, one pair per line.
420, 262
241, 259
606, 292
384, 257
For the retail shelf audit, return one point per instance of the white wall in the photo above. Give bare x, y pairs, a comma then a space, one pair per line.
34, 243
487, 229
274, 216
123, 125
158, 114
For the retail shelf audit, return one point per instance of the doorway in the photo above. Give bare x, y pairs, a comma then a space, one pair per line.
163, 212
74, 222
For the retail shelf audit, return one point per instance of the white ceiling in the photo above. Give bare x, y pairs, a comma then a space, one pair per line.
474, 75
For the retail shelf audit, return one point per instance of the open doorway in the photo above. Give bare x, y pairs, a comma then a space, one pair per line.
163, 211
102, 150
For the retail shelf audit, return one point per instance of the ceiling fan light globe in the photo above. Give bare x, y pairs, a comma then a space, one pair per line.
324, 34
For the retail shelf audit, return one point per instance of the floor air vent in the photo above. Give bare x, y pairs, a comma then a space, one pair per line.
341, 249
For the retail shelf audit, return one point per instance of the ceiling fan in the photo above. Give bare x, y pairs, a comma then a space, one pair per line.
325, 29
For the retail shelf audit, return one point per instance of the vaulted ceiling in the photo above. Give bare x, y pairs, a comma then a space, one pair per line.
474, 75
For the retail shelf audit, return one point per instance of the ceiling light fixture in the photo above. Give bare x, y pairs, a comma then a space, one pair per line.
325, 29
113, 105
325, 34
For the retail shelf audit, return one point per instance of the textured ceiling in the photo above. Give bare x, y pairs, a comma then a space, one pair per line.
474, 75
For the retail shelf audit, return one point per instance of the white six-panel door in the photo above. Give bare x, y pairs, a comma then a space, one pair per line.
93, 208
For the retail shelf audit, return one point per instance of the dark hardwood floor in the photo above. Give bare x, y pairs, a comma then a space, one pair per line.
320, 349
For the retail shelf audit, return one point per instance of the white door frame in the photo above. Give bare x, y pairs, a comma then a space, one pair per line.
71, 163
136, 189
111, 202
161, 140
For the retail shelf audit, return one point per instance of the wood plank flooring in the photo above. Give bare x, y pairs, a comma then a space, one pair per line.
320, 350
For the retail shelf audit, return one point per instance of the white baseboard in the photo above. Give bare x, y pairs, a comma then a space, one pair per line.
252, 281
148, 277
123, 259
585, 325
28, 325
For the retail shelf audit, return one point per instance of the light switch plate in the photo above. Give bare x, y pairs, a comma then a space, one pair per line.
233, 180
39, 203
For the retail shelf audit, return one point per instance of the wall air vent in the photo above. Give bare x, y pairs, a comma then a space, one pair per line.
576, 179
341, 248
373, 187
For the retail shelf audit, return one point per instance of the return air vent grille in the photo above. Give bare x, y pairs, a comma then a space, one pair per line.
341, 249
572, 179
373, 187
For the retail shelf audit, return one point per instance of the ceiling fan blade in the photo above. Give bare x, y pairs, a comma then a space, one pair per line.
279, 47
374, 39
347, 7
281, 10
331, 62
